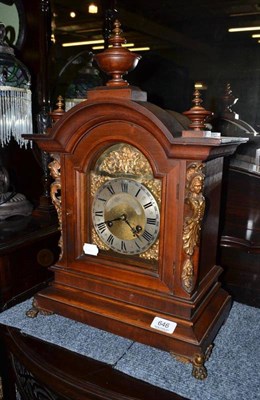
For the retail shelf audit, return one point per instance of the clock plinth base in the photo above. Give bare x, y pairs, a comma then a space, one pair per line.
191, 339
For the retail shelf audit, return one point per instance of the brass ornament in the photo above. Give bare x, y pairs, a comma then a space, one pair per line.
187, 275
124, 159
152, 253
192, 222
55, 192
96, 181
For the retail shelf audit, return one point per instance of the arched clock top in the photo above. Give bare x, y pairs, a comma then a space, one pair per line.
78, 122
119, 133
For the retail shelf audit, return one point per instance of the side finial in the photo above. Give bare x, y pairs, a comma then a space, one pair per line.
197, 114
59, 111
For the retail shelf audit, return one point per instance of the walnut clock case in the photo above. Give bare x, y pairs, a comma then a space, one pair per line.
138, 214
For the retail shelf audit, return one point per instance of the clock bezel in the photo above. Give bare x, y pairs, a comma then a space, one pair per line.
147, 235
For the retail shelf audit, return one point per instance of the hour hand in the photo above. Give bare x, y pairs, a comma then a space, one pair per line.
109, 222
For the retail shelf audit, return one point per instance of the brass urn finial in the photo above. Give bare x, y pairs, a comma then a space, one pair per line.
197, 114
117, 61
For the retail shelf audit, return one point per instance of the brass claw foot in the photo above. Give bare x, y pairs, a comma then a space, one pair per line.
199, 371
34, 311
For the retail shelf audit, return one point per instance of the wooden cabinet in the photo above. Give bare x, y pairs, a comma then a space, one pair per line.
42, 370
27, 249
28, 246
240, 239
239, 252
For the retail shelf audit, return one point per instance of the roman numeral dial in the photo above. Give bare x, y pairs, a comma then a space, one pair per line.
126, 216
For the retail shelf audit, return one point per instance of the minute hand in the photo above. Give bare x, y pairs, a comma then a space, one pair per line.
134, 231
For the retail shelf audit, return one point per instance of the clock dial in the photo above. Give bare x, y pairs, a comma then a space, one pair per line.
126, 216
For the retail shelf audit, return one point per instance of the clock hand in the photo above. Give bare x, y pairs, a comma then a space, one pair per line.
110, 221
136, 230
123, 217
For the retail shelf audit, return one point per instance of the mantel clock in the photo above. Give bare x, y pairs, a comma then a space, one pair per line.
138, 208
